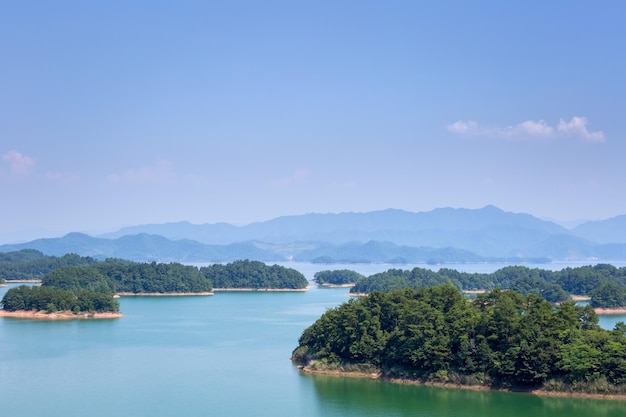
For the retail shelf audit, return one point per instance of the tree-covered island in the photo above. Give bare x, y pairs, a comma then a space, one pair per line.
500, 340
130, 278
31, 265
338, 277
73, 272
604, 284
254, 276
48, 302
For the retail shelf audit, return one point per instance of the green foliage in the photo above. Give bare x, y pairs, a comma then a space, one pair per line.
24, 255
53, 299
114, 276
337, 277
605, 283
75, 278
608, 295
396, 279
253, 274
32, 264
502, 337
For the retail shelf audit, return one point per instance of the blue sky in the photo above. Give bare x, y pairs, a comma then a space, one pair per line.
119, 113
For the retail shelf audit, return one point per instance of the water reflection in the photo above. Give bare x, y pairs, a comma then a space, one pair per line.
348, 396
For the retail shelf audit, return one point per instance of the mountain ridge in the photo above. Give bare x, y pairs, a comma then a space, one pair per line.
446, 234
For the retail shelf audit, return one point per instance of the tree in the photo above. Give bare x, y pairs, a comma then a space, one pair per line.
608, 295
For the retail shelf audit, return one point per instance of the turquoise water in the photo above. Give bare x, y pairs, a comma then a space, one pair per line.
222, 355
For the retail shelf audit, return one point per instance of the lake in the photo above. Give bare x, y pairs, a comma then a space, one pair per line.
226, 354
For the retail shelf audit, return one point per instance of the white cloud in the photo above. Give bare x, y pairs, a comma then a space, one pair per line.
19, 164
576, 128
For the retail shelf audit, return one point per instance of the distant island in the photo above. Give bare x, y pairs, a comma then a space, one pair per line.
500, 340
604, 284
246, 275
337, 278
120, 276
87, 288
117, 276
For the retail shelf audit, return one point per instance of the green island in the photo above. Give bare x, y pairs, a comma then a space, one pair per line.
337, 278
500, 340
73, 272
604, 284
30, 264
54, 303
249, 275
130, 278
76, 287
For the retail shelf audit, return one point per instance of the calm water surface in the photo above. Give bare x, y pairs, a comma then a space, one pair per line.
225, 355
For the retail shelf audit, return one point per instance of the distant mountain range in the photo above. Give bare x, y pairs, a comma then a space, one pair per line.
443, 235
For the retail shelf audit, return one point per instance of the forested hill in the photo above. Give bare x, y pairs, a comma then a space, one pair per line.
501, 339
31, 264
118, 276
247, 274
74, 273
605, 284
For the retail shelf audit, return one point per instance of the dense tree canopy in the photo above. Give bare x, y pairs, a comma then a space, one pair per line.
397, 279
337, 277
72, 272
502, 338
554, 286
253, 274
53, 299
24, 255
608, 295
30, 264
114, 275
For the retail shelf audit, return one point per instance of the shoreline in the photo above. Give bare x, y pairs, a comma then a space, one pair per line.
540, 392
59, 315
610, 311
23, 281
162, 294
337, 285
262, 289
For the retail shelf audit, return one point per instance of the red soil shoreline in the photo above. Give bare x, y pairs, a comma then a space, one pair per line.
60, 315
162, 294
610, 311
262, 289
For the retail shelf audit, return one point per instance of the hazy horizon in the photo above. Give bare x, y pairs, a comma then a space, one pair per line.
33, 234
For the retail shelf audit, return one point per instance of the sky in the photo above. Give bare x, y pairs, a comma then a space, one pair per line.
121, 113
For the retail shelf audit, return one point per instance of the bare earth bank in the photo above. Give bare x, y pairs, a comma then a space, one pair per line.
377, 375
59, 315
